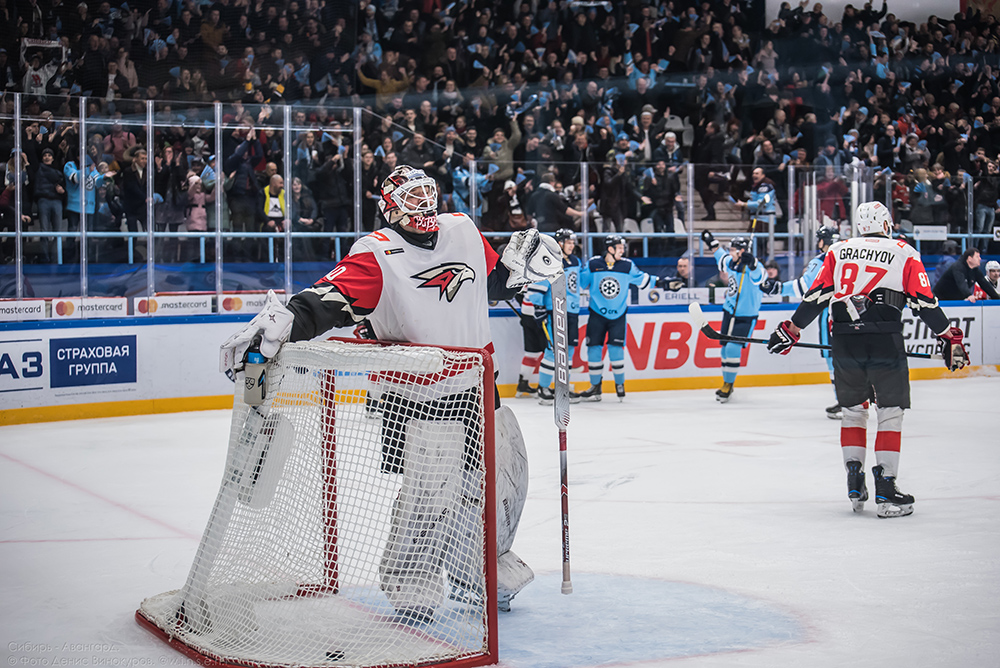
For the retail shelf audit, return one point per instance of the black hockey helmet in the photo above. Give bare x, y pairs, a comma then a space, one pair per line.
564, 235
612, 240
828, 235
739, 243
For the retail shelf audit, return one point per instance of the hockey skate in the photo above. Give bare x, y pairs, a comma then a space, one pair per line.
857, 491
891, 502
834, 412
523, 388
547, 397
592, 393
723, 393
620, 391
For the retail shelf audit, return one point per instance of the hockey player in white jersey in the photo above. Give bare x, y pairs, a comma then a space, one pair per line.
426, 278
866, 281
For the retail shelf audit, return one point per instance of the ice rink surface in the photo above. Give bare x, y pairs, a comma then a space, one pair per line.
702, 534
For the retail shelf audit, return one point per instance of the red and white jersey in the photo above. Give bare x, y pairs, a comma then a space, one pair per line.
420, 295
979, 293
860, 265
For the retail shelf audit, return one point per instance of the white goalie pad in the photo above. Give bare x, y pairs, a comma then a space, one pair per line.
513, 575
512, 476
411, 568
531, 257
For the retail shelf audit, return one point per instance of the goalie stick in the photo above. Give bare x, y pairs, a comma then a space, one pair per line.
699, 320
560, 350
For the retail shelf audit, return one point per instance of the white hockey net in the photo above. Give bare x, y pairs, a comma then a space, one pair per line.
350, 528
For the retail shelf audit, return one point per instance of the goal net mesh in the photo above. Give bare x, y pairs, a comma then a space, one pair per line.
350, 525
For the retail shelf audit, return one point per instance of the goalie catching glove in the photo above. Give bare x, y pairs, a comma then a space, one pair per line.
273, 323
782, 338
953, 349
531, 257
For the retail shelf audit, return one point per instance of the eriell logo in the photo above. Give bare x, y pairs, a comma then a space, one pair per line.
447, 278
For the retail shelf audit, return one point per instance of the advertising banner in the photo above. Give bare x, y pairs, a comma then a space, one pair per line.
157, 364
173, 305
72, 308
244, 302
27, 309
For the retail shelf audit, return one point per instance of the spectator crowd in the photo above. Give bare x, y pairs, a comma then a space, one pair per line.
502, 103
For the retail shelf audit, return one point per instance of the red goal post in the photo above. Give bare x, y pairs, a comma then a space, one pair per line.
359, 489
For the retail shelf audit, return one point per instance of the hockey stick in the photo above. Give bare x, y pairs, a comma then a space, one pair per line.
743, 274
699, 320
560, 349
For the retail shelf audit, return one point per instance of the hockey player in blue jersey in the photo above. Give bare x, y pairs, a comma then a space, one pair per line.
540, 294
739, 312
608, 278
825, 237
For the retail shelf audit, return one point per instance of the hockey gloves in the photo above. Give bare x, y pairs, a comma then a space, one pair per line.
531, 257
953, 349
672, 284
746, 261
771, 286
273, 323
709, 240
782, 339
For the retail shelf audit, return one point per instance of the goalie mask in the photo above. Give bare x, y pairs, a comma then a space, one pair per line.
409, 198
874, 218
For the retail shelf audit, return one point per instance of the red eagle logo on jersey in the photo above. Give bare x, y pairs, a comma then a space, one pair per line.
447, 278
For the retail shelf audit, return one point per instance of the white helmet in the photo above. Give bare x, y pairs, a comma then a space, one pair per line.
874, 218
992, 264
409, 197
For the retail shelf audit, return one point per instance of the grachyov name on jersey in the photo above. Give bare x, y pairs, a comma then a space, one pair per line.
866, 254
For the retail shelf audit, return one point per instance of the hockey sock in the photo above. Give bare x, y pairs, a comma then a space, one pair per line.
890, 424
617, 356
853, 433
596, 358
529, 366
546, 369
730, 361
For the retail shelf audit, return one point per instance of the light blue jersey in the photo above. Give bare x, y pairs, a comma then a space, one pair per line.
609, 285
540, 294
799, 286
744, 295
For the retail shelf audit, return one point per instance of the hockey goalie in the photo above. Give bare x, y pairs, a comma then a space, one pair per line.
426, 278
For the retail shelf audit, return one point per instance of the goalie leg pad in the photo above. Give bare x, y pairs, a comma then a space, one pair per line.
512, 476
411, 568
513, 575
511, 492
